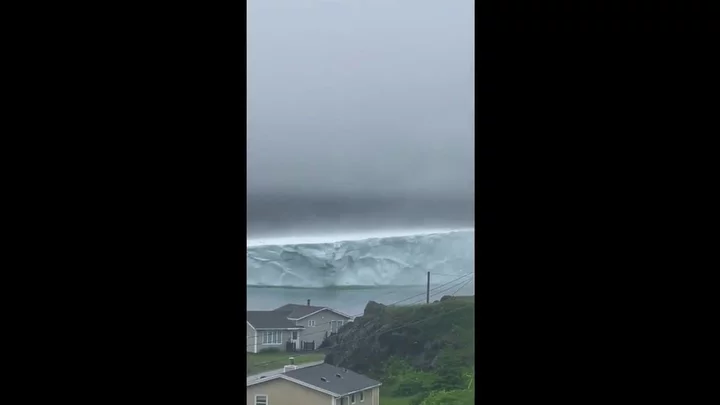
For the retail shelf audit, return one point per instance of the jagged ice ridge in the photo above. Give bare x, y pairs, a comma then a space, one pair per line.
383, 261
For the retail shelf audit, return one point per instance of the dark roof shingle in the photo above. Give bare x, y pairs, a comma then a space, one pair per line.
298, 311
270, 319
350, 381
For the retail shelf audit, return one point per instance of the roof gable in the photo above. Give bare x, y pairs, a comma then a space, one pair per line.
292, 380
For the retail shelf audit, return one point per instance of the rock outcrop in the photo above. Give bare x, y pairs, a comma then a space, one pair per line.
425, 336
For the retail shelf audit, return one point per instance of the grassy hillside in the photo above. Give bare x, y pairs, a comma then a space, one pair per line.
421, 353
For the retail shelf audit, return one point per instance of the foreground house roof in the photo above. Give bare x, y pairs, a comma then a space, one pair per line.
298, 311
270, 320
326, 378
301, 311
285, 316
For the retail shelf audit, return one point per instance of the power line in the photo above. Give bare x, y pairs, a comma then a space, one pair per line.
452, 286
432, 289
443, 291
456, 291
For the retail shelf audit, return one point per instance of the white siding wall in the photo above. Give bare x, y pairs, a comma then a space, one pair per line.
281, 392
322, 324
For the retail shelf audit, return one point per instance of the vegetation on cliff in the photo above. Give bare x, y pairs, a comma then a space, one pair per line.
421, 352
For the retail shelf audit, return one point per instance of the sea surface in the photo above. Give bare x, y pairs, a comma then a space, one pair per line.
351, 301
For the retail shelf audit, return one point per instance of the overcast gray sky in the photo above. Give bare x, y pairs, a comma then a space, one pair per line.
360, 98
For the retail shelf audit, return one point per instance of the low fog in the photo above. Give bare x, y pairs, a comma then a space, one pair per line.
360, 115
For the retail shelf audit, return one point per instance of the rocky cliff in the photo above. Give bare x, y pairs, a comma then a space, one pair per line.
437, 337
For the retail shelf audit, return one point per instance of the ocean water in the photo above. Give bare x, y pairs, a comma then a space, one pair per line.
345, 272
352, 301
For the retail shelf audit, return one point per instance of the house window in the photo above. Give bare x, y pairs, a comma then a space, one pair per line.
261, 400
352, 398
311, 323
272, 337
362, 396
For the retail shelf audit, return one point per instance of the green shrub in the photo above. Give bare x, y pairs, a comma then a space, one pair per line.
414, 382
393, 369
419, 398
270, 350
455, 397
407, 386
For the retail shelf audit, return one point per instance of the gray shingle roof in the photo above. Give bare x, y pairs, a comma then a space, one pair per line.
270, 319
350, 381
298, 311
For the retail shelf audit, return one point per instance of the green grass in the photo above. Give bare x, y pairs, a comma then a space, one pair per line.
255, 362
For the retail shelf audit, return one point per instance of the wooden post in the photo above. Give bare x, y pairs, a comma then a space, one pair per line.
427, 300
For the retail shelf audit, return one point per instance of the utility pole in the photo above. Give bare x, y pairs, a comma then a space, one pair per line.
427, 300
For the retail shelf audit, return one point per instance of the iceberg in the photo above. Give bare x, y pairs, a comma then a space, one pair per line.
385, 260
